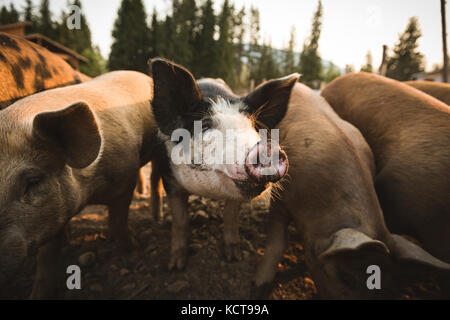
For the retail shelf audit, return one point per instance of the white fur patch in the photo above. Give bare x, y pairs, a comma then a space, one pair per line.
214, 178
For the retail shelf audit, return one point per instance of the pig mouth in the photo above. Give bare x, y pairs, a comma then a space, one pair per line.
251, 189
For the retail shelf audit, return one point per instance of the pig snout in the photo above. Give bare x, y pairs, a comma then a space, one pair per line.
266, 162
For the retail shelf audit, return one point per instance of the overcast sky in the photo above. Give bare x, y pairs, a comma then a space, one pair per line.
350, 27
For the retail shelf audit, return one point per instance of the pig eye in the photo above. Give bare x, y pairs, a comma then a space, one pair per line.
32, 183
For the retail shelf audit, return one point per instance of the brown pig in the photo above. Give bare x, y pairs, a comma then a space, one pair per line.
63, 149
332, 201
27, 68
439, 90
409, 134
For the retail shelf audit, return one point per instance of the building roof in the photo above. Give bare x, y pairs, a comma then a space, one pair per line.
54, 46
6, 27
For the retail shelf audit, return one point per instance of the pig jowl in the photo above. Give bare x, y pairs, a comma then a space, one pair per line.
213, 144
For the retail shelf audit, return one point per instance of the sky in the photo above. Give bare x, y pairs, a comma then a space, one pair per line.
350, 28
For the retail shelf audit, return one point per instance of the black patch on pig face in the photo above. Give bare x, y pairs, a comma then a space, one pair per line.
8, 42
2, 57
269, 101
17, 74
177, 100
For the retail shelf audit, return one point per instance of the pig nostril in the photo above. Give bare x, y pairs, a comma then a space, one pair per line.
269, 169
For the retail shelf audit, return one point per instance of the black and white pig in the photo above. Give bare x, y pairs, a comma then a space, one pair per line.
202, 122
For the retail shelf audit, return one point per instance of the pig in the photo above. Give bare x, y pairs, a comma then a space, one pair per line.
409, 134
332, 202
439, 90
63, 149
178, 102
27, 68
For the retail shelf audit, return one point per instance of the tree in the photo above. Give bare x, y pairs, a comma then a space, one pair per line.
184, 19
310, 62
368, 66
96, 63
76, 39
330, 72
28, 15
10, 15
253, 54
205, 59
267, 64
240, 29
156, 36
289, 58
45, 24
225, 47
130, 48
406, 59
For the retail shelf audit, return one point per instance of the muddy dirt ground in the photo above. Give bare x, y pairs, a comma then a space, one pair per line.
108, 273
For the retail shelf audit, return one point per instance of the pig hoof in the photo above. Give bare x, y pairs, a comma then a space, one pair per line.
233, 252
262, 291
178, 259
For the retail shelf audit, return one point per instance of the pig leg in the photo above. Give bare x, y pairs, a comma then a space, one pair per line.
231, 230
140, 187
178, 202
48, 269
276, 244
156, 192
118, 220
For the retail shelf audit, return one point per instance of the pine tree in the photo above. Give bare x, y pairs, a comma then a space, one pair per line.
96, 63
368, 66
289, 59
169, 38
10, 15
268, 66
13, 13
76, 39
45, 24
28, 15
407, 59
225, 47
130, 48
310, 62
205, 59
253, 54
239, 31
330, 72
156, 36
184, 19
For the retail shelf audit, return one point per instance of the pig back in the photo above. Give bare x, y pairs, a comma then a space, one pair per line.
396, 120
439, 90
27, 68
330, 169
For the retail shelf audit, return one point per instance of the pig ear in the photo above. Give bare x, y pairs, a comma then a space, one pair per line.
176, 94
269, 101
73, 130
416, 260
351, 240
